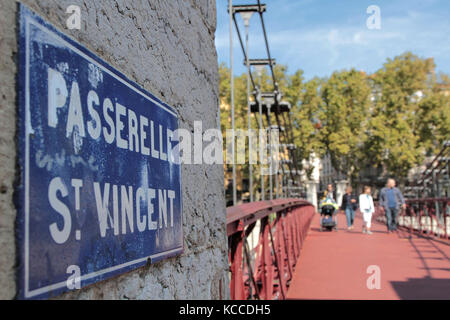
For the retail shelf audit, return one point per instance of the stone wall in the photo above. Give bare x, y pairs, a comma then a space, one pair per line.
167, 47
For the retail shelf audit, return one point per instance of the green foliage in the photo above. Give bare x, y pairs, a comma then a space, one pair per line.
409, 117
346, 105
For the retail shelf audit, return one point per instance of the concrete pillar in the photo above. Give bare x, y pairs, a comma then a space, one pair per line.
311, 192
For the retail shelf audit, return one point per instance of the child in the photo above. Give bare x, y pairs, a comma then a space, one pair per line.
367, 208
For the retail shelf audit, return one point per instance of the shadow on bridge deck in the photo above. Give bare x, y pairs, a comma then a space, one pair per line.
333, 265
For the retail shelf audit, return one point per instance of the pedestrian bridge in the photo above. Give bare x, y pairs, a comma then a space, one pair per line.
277, 251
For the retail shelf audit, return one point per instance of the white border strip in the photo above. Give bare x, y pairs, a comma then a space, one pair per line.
29, 294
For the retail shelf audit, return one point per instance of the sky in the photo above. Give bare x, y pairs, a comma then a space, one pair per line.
322, 36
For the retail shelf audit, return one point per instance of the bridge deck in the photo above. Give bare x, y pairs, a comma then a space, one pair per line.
333, 265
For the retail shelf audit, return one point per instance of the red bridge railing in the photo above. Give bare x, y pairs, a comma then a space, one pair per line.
428, 215
264, 243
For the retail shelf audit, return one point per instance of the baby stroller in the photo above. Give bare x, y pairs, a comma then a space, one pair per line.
328, 216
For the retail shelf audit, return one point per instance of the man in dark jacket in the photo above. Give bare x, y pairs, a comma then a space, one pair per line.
349, 204
391, 199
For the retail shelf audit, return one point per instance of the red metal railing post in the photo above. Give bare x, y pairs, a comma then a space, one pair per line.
266, 272
296, 230
293, 236
237, 281
288, 257
411, 216
279, 239
290, 242
445, 210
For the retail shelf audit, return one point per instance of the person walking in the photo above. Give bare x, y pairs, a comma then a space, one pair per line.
392, 200
349, 204
367, 209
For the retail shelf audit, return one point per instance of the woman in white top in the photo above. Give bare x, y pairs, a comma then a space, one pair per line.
367, 209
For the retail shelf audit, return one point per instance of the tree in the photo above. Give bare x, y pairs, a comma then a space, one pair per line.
346, 105
306, 105
405, 114
433, 126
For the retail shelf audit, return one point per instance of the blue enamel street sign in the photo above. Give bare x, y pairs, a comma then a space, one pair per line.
100, 186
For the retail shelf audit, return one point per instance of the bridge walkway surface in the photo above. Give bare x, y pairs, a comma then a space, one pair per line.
333, 264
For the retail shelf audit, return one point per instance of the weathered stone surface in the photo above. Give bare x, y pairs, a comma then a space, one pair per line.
167, 47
